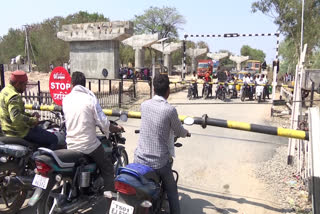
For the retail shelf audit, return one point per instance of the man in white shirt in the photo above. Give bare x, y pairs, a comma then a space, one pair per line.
83, 113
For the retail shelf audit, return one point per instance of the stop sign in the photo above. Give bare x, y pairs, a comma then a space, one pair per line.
59, 84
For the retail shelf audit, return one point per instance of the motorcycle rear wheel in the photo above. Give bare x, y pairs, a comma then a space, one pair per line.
10, 200
46, 203
243, 96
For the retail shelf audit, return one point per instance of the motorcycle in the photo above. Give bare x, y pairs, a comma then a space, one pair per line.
221, 91
191, 91
17, 166
67, 180
260, 93
139, 188
246, 92
232, 91
206, 90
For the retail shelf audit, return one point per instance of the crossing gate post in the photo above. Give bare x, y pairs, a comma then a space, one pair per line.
314, 126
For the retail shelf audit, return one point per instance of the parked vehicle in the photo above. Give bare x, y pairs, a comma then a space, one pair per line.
206, 90
231, 90
204, 66
192, 93
140, 190
221, 91
17, 166
68, 180
246, 91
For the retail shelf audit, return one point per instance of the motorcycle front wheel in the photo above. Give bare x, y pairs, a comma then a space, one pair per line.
122, 160
11, 200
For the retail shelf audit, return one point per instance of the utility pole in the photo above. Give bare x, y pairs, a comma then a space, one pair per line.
302, 15
27, 47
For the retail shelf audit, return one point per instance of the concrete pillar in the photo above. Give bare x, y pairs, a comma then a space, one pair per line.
167, 49
95, 46
139, 43
139, 58
193, 53
238, 60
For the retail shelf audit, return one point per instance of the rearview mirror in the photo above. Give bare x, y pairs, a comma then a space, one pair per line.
124, 117
188, 121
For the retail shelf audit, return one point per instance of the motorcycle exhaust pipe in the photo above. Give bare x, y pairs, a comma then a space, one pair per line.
11, 182
73, 207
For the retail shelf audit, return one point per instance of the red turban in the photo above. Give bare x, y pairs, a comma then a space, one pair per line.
19, 76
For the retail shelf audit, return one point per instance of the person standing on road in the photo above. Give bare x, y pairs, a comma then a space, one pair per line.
83, 113
158, 120
195, 84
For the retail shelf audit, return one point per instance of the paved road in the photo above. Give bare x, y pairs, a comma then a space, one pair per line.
216, 164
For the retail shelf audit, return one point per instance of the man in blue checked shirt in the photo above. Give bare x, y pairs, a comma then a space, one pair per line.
158, 119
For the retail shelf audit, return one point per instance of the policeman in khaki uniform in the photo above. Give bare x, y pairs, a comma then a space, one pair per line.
15, 122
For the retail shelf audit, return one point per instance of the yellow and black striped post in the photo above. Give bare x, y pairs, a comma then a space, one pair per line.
203, 121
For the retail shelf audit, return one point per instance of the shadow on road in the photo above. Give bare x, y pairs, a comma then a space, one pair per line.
197, 205
240, 200
278, 142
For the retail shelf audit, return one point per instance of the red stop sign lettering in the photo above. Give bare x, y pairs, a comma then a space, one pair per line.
59, 84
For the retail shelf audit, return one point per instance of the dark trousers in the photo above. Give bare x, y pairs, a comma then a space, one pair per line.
40, 136
104, 163
170, 186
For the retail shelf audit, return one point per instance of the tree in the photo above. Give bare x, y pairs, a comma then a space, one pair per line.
254, 54
287, 15
166, 21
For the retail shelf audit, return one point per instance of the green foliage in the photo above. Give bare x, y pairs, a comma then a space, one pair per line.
287, 15
126, 53
166, 21
253, 54
289, 56
226, 62
46, 46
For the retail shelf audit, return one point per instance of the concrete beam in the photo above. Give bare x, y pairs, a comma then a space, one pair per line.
117, 30
217, 56
193, 53
238, 60
143, 40
167, 48
139, 43
95, 46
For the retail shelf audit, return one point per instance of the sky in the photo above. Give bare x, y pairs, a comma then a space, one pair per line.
202, 17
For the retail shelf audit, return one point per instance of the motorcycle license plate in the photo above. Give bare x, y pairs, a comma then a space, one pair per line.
120, 208
40, 181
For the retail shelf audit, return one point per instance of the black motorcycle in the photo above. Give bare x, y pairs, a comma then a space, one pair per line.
221, 91
17, 166
246, 92
206, 90
67, 180
192, 91
140, 190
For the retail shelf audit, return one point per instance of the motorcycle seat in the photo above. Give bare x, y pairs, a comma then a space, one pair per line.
17, 141
66, 158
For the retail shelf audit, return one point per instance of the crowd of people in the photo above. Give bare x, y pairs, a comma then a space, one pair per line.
130, 73
224, 76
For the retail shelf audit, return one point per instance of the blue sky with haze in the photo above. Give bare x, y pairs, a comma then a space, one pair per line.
202, 17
